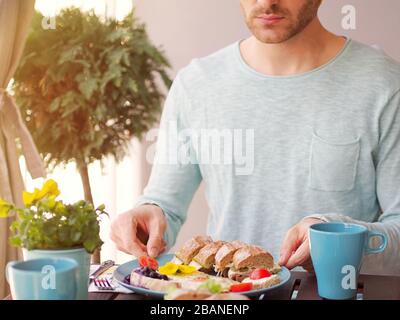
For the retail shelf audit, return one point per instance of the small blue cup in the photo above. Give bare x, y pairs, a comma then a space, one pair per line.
43, 279
337, 250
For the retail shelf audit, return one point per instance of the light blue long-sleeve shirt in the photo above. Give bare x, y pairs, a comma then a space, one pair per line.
322, 142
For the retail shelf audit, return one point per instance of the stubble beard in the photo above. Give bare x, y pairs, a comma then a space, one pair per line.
296, 24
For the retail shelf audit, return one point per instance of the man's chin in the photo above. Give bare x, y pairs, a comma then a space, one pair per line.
272, 37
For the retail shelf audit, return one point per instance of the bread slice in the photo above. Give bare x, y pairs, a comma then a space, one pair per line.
191, 248
239, 275
248, 258
206, 256
252, 256
224, 255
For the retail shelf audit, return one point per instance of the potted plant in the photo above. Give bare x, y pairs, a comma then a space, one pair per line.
89, 86
47, 228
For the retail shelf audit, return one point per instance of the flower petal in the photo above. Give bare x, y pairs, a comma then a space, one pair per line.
50, 188
168, 269
186, 269
29, 197
5, 208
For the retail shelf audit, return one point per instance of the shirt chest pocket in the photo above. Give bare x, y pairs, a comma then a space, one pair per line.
333, 166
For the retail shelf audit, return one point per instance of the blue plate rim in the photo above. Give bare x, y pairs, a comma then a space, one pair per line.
284, 274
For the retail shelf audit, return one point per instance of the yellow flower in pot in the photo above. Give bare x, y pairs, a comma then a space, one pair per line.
48, 228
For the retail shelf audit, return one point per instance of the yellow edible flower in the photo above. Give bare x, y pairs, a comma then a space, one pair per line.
5, 208
171, 268
30, 197
186, 269
168, 269
50, 188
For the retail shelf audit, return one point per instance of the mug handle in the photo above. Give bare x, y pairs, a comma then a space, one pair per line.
381, 247
9, 265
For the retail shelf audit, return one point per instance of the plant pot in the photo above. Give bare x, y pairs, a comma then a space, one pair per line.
80, 255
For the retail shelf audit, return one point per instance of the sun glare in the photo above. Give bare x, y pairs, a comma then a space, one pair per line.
110, 8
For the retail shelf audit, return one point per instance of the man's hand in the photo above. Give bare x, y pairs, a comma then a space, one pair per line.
295, 250
140, 231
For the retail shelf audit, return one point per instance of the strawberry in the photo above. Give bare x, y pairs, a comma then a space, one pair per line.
143, 261
152, 263
259, 274
241, 287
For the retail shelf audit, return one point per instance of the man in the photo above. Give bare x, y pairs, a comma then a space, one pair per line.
324, 114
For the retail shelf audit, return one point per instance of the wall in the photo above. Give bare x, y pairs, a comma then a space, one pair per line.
378, 22
191, 28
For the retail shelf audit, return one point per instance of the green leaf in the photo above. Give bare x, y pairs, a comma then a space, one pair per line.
15, 241
212, 286
76, 235
91, 245
132, 84
88, 87
54, 104
69, 110
69, 54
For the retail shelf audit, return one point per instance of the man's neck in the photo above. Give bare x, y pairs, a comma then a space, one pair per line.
308, 50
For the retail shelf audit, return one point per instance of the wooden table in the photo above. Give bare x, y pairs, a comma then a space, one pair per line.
303, 286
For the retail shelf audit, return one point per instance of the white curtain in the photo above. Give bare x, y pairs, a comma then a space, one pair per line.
15, 19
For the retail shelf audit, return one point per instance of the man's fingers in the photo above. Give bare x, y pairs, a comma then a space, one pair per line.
289, 245
128, 242
156, 243
136, 248
162, 250
133, 247
154, 246
301, 255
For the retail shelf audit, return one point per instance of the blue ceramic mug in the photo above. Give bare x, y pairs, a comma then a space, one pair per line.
337, 250
43, 279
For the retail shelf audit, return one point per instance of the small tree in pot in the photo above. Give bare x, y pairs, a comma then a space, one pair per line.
46, 227
87, 87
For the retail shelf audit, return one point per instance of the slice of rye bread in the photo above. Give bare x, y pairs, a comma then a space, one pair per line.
191, 248
206, 256
224, 255
239, 275
252, 256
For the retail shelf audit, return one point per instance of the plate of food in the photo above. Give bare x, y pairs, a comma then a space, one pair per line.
202, 267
